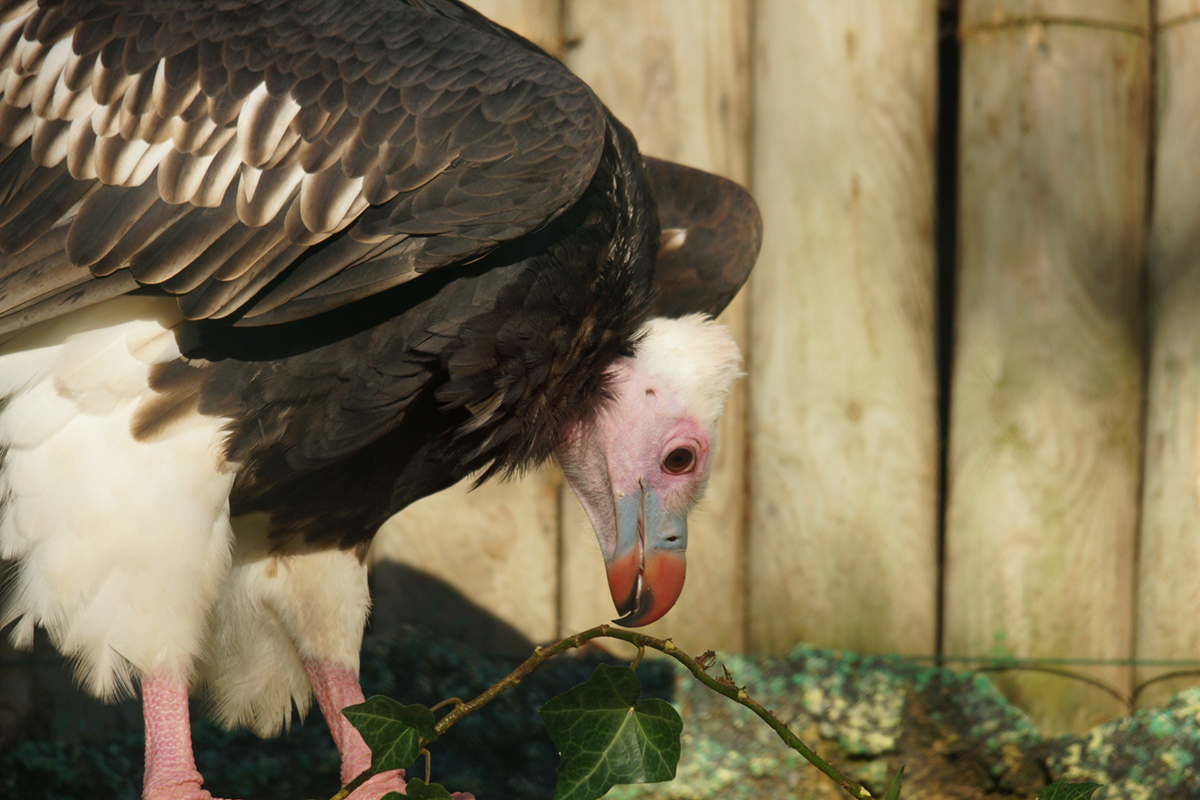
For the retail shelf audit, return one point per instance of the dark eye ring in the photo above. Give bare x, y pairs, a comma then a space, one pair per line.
679, 460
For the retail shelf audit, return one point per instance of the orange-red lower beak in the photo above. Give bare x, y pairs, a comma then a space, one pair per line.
653, 595
646, 574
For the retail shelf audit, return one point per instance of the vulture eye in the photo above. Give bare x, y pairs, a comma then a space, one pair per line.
679, 461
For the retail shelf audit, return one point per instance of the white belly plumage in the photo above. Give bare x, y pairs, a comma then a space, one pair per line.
123, 550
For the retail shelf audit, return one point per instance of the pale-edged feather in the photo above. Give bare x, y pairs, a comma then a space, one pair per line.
320, 265
323, 152
136, 100
16, 170
192, 136
149, 225
65, 103
81, 149
176, 84
148, 127
90, 39
287, 151
106, 119
375, 188
215, 297
262, 125
48, 23
220, 173
117, 158
77, 74
18, 89
310, 121
48, 209
272, 190
50, 141
24, 189
106, 216
171, 258
109, 79
17, 124
29, 54
52, 243
147, 163
10, 35
225, 106
263, 241
210, 259
378, 128
358, 157
382, 273
134, 59
180, 175
49, 77
251, 283
326, 197
297, 231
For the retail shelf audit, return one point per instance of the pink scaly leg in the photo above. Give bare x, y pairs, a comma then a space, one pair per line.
170, 766
336, 686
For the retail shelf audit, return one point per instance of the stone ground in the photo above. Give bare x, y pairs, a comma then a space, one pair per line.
956, 736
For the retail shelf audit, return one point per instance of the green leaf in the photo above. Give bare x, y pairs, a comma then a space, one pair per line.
420, 790
606, 736
1061, 790
392, 731
893, 792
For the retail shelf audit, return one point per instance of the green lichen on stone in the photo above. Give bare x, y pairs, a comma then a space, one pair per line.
1149, 754
954, 732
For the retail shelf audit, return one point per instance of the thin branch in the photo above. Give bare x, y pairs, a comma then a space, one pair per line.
723, 686
362, 778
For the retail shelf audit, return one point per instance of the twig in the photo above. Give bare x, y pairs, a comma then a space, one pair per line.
724, 686
362, 778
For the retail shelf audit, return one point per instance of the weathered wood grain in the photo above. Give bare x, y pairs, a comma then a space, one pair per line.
1045, 437
677, 73
498, 545
843, 528
1135, 13
1168, 622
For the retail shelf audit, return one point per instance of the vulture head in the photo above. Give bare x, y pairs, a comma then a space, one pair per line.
640, 464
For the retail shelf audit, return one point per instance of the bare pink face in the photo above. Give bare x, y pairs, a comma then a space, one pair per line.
638, 468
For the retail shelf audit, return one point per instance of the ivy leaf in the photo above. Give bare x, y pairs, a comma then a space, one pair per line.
420, 790
1061, 790
606, 736
893, 792
392, 731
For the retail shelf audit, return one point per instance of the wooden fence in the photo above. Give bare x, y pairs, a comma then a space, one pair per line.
1052, 511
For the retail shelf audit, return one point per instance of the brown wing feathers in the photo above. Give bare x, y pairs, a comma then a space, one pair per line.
206, 151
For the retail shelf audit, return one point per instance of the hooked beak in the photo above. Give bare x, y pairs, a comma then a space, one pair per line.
646, 571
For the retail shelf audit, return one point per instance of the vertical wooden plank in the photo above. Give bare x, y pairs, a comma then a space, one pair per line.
539, 21
1045, 439
843, 531
1168, 624
677, 73
497, 545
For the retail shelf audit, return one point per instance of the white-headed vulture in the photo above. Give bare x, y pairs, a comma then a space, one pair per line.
271, 270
